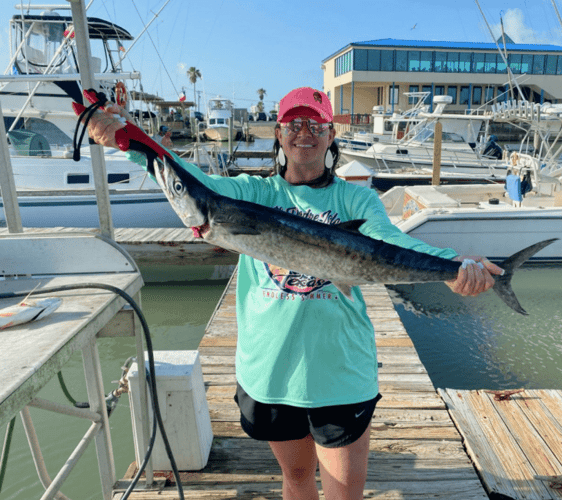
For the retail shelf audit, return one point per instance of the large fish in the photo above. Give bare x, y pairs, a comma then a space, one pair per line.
339, 253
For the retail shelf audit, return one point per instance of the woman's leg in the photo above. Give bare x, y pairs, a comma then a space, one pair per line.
344, 470
298, 462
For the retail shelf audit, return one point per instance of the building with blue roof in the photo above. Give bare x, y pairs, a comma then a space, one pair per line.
362, 75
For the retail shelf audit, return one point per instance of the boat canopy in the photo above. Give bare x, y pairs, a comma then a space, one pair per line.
99, 29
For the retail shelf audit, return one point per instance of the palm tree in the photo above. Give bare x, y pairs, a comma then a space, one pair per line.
261, 93
193, 73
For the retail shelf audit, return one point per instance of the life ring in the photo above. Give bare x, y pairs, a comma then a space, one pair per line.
514, 158
120, 94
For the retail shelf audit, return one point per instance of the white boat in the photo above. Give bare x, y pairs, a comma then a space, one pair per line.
484, 219
54, 190
219, 114
463, 148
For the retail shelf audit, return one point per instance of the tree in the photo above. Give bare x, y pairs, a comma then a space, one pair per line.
193, 74
261, 93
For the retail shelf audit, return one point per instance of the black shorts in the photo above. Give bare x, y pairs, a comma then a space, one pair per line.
330, 426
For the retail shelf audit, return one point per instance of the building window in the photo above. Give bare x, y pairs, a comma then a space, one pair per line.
491, 63
426, 61
479, 63
387, 60
360, 59
538, 65
413, 60
551, 63
440, 65
526, 63
515, 63
488, 94
465, 62
439, 90
429, 97
393, 94
452, 62
374, 61
344, 63
463, 97
401, 60
411, 99
452, 91
477, 95
502, 94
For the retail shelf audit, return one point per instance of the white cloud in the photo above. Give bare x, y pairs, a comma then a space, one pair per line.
514, 26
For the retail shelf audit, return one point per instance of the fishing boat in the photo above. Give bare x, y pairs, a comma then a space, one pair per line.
219, 116
464, 149
36, 95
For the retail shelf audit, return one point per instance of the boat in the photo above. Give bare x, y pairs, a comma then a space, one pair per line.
495, 220
464, 149
53, 189
219, 115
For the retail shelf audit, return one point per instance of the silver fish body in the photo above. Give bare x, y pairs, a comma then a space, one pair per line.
339, 253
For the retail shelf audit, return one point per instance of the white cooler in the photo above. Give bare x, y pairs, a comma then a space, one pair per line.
181, 394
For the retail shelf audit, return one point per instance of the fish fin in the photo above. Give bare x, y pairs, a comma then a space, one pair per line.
345, 289
503, 283
351, 225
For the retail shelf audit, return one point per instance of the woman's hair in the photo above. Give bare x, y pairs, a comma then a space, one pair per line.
281, 170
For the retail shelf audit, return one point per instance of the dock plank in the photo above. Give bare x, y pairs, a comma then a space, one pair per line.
511, 441
416, 452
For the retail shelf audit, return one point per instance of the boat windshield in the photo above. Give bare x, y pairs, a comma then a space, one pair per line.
426, 135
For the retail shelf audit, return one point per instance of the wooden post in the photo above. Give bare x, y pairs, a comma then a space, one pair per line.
7, 184
437, 136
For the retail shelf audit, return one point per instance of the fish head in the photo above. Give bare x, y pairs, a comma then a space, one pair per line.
176, 188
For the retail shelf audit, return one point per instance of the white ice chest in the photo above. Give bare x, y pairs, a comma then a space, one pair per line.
181, 394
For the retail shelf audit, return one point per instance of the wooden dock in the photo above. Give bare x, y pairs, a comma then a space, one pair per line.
416, 451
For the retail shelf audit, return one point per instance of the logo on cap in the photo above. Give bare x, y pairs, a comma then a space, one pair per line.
317, 97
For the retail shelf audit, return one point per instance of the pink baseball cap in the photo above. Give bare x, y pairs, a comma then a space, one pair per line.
305, 101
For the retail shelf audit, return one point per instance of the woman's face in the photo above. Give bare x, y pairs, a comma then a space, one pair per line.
303, 148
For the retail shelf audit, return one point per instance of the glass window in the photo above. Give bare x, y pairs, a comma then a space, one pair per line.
413, 88
463, 98
401, 60
429, 90
374, 61
387, 60
502, 94
426, 61
393, 94
360, 59
479, 62
476, 95
559, 68
464, 62
439, 90
526, 63
488, 94
490, 62
452, 62
501, 67
440, 62
452, 91
515, 63
413, 60
538, 64
551, 62
77, 179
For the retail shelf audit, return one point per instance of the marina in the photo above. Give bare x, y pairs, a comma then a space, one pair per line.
461, 415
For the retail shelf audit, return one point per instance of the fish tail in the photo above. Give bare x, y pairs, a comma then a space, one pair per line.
503, 283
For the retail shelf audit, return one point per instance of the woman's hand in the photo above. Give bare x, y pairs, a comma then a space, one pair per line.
103, 124
474, 278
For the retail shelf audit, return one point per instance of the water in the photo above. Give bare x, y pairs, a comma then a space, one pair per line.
465, 343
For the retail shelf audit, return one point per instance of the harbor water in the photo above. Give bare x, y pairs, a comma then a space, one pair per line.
465, 343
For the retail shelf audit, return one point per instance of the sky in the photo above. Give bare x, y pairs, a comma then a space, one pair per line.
240, 46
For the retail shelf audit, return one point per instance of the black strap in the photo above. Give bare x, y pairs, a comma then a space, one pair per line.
86, 115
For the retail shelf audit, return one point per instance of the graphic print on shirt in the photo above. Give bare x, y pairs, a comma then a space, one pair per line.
290, 283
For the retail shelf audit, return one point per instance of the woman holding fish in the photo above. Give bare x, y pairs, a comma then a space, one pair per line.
306, 359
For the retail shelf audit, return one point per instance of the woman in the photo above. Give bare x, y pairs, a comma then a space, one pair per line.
306, 358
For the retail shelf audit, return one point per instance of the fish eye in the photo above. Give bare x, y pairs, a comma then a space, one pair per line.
178, 187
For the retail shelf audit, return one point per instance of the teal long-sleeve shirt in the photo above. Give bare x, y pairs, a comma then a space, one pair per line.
300, 341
